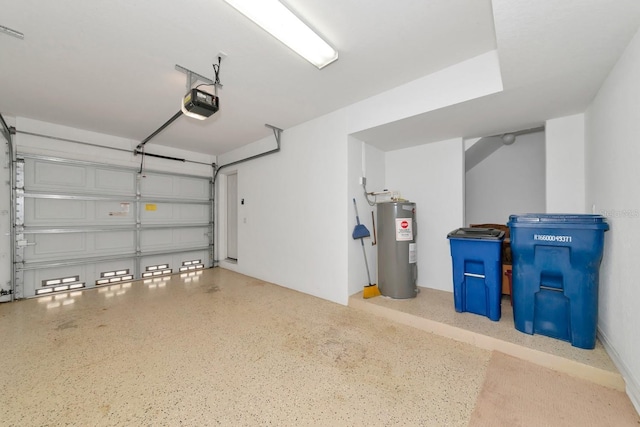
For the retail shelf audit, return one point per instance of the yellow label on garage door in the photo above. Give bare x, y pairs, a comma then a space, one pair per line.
150, 207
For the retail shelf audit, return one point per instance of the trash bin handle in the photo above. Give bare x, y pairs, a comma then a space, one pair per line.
479, 276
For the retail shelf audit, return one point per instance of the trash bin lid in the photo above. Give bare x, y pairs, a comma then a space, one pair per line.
580, 220
476, 233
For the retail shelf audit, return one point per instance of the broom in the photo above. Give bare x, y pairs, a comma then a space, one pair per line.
360, 232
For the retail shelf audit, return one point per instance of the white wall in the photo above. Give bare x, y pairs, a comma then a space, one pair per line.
470, 79
565, 165
367, 161
319, 167
432, 176
296, 204
613, 179
293, 228
509, 181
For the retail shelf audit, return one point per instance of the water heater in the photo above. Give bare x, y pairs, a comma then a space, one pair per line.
397, 269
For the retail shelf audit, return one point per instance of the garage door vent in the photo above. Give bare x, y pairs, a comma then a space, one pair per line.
195, 264
61, 284
115, 276
157, 270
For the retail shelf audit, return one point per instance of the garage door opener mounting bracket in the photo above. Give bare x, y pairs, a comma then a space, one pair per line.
196, 103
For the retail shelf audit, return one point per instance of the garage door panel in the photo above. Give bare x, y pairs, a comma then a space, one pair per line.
35, 280
115, 181
55, 210
155, 240
115, 241
69, 246
56, 245
162, 213
84, 221
157, 185
111, 272
157, 265
175, 261
193, 213
192, 236
114, 212
192, 188
55, 175
179, 187
190, 260
43, 175
155, 213
61, 212
101, 268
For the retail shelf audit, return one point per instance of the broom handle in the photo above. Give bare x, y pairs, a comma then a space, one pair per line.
373, 221
365, 261
356, 206
364, 252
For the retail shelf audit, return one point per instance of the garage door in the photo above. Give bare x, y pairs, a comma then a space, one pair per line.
84, 225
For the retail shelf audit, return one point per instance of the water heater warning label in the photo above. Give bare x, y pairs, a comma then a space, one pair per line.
413, 253
404, 230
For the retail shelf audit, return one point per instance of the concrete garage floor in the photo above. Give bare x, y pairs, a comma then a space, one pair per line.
219, 348
433, 311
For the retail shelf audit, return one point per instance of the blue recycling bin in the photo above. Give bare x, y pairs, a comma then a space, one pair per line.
476, 255
556, 265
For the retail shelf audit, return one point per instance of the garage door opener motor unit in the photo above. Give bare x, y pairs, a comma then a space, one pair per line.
200, 104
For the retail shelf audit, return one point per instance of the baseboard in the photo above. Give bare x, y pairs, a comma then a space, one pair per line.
632, 385
229, 265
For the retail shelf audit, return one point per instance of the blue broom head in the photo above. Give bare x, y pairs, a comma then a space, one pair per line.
360, 232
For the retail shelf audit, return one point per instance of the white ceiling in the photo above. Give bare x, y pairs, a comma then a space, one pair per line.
110, 66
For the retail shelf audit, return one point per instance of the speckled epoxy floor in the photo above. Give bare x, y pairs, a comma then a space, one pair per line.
433, 311
220, 348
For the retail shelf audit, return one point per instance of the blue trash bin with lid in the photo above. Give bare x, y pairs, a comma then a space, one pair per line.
556, 264
476, 255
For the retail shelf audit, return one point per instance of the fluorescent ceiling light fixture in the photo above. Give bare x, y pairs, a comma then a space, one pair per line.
280, 22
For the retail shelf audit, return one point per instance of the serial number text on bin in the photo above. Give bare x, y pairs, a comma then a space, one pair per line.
552, 238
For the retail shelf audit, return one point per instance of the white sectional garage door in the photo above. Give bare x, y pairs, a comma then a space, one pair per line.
82, 225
